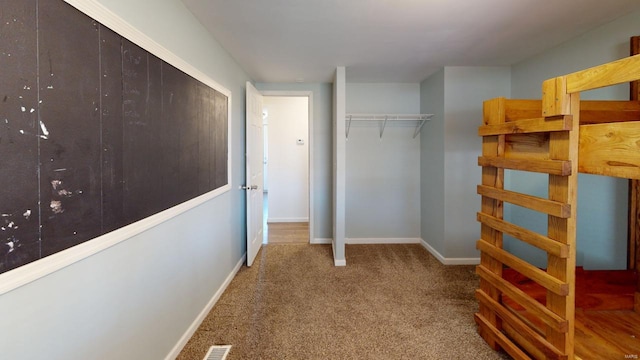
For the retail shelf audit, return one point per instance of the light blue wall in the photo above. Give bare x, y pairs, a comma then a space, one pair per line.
322, 152
136, 299
449, 155
383, 174
432, 162
602, 201
383, 98
465, 90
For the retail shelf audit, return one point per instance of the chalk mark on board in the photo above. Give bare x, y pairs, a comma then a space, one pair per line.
56, 206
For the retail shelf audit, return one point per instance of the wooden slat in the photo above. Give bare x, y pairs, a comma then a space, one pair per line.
516, 109
610, 149
634, 86
530, 237
552, 167
534, 146
523, 343
524, 300
607, 111
493, 113
523, 329
535, 125
612, 73
530, 202
634, 187
591, 111
555, 100
511, 348
564, 146
547, 281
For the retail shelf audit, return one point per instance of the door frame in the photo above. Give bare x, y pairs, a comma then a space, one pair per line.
309, 95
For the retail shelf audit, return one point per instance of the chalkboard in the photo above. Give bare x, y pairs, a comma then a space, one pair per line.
95, 132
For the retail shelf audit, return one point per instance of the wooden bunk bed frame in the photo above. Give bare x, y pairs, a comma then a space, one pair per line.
559, 136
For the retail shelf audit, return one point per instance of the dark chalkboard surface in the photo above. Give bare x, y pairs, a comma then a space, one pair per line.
95, 132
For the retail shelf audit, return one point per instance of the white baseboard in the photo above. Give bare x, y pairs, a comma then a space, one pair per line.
353, 241
449, 261
321, 241
337, 262
203, 314
287, 220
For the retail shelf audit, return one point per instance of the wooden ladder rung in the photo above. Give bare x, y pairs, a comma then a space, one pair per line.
550, 351
547, 281
530, 237
524, 126
548, 207
530, 304
551, 167
506, 343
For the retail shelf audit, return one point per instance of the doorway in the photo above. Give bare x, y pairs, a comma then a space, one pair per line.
288, 164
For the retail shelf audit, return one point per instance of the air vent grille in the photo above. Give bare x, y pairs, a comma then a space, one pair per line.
218, 352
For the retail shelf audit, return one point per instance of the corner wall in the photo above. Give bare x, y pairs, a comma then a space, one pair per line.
466, 88
137, 299
450, 150
432, 163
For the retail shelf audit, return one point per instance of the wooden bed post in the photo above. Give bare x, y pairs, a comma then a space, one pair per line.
563, 146
634, 192
493, 113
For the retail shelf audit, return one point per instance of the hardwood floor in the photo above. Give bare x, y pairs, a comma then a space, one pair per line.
283, 232
607, 334
606, 325
288, 233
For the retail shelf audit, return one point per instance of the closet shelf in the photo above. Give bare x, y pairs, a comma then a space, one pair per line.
383, 119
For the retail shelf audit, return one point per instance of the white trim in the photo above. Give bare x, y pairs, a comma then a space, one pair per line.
25, 274
309, 94
353, 241
203, 314
449, 261
320, 241
287, 220
339, 157
337, 262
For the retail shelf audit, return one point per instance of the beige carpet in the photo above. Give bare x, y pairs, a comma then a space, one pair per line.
390, 302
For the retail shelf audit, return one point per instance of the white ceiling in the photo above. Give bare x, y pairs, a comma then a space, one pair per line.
392, 40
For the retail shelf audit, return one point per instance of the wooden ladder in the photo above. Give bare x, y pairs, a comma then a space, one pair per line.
542, 137
545, 144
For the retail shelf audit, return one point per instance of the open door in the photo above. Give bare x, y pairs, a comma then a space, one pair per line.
254, 154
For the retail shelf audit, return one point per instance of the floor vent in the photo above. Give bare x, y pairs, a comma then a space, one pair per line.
218, 352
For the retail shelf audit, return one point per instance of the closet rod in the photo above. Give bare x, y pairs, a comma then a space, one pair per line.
383, 119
